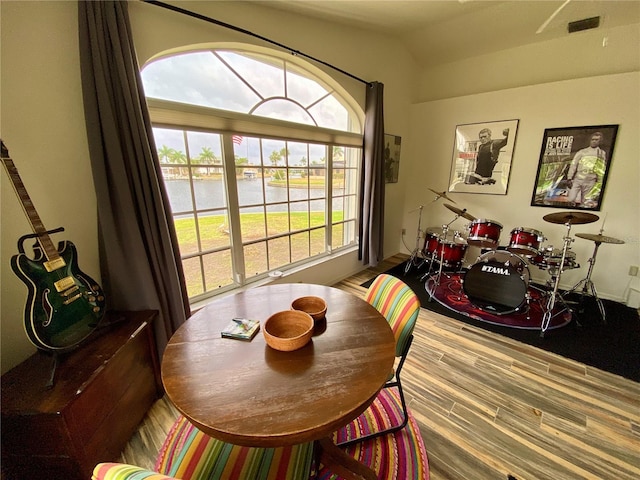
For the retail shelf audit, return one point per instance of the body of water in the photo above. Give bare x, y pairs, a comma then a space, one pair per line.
210, 193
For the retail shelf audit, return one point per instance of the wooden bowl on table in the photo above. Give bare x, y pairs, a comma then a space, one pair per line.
288, 330
314, 306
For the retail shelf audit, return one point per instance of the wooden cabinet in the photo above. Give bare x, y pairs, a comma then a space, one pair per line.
101, 392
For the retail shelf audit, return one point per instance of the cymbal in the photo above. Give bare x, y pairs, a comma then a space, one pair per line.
599, 238
434, 230
573, 218
462, 213
442, 194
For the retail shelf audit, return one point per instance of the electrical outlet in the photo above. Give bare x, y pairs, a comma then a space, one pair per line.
633, 270
404, 231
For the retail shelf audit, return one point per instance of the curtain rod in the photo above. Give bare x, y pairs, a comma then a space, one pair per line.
247, 32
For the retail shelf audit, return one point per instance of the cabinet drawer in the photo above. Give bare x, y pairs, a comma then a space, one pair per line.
102, 393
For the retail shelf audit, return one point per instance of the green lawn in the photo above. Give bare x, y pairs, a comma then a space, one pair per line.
214, 234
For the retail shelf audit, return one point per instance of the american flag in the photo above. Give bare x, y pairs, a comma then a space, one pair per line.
237, 139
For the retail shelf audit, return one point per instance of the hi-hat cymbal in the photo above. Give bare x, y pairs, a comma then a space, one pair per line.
434, 230
573, 218
599, 238
462, 213
442, 194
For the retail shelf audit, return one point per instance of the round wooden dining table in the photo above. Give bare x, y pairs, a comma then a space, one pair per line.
246, 393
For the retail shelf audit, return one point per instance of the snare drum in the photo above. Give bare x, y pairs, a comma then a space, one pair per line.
497, 282
451, 253
484, 233
525, 241
552, 257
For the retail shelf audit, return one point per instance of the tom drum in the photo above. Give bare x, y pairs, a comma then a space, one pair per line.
525, 241
484, 233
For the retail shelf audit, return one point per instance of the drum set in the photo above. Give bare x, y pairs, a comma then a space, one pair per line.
498, 282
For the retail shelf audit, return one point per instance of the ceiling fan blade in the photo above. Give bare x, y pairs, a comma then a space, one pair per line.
553, 15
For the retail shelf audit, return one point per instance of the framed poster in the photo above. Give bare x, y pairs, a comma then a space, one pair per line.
391, 158
573, 167
482, 154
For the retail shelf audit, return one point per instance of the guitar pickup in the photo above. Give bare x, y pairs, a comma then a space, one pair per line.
54, 264
68, 292
72, 299
63, 284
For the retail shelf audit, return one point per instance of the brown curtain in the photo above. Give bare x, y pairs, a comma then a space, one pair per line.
139, 257
372, 180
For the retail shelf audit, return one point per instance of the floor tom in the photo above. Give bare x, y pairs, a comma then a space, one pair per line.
451, 253
430, 244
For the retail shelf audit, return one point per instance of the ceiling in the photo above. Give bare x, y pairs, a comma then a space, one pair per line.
442, 31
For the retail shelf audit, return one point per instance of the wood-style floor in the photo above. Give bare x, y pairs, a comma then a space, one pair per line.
489, 406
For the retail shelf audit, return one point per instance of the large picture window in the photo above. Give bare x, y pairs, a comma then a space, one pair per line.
261, 160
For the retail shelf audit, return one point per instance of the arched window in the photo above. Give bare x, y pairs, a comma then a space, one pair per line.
260, 154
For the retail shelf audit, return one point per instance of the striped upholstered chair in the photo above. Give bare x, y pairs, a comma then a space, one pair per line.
189, 454
400, 306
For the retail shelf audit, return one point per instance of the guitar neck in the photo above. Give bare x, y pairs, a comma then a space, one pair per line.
37, 226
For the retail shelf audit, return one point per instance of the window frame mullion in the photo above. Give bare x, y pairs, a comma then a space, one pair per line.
235, 231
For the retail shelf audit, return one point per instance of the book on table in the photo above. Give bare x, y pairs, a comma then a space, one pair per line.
241, 329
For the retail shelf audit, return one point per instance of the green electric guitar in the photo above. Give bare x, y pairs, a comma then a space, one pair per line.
64, 305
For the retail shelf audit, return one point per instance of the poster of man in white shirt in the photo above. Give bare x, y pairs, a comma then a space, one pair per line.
573, 168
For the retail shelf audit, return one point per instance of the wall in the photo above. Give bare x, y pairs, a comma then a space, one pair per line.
43, 121
576, 55
609, 99
42, 125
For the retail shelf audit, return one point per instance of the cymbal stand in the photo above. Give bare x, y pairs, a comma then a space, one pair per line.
416, 251
551, 301
587, 284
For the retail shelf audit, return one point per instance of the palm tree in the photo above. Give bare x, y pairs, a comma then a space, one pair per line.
207, 157
275, 157
165, 153
178, 156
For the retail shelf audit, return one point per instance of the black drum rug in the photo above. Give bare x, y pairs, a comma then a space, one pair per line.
524, 307
613, 347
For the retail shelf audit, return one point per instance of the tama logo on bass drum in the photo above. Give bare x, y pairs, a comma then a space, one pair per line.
496, 270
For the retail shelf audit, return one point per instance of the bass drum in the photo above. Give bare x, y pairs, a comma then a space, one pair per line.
497, 282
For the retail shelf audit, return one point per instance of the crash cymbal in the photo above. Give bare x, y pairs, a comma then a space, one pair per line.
573, 218
441, 194
599, 238
462, 213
